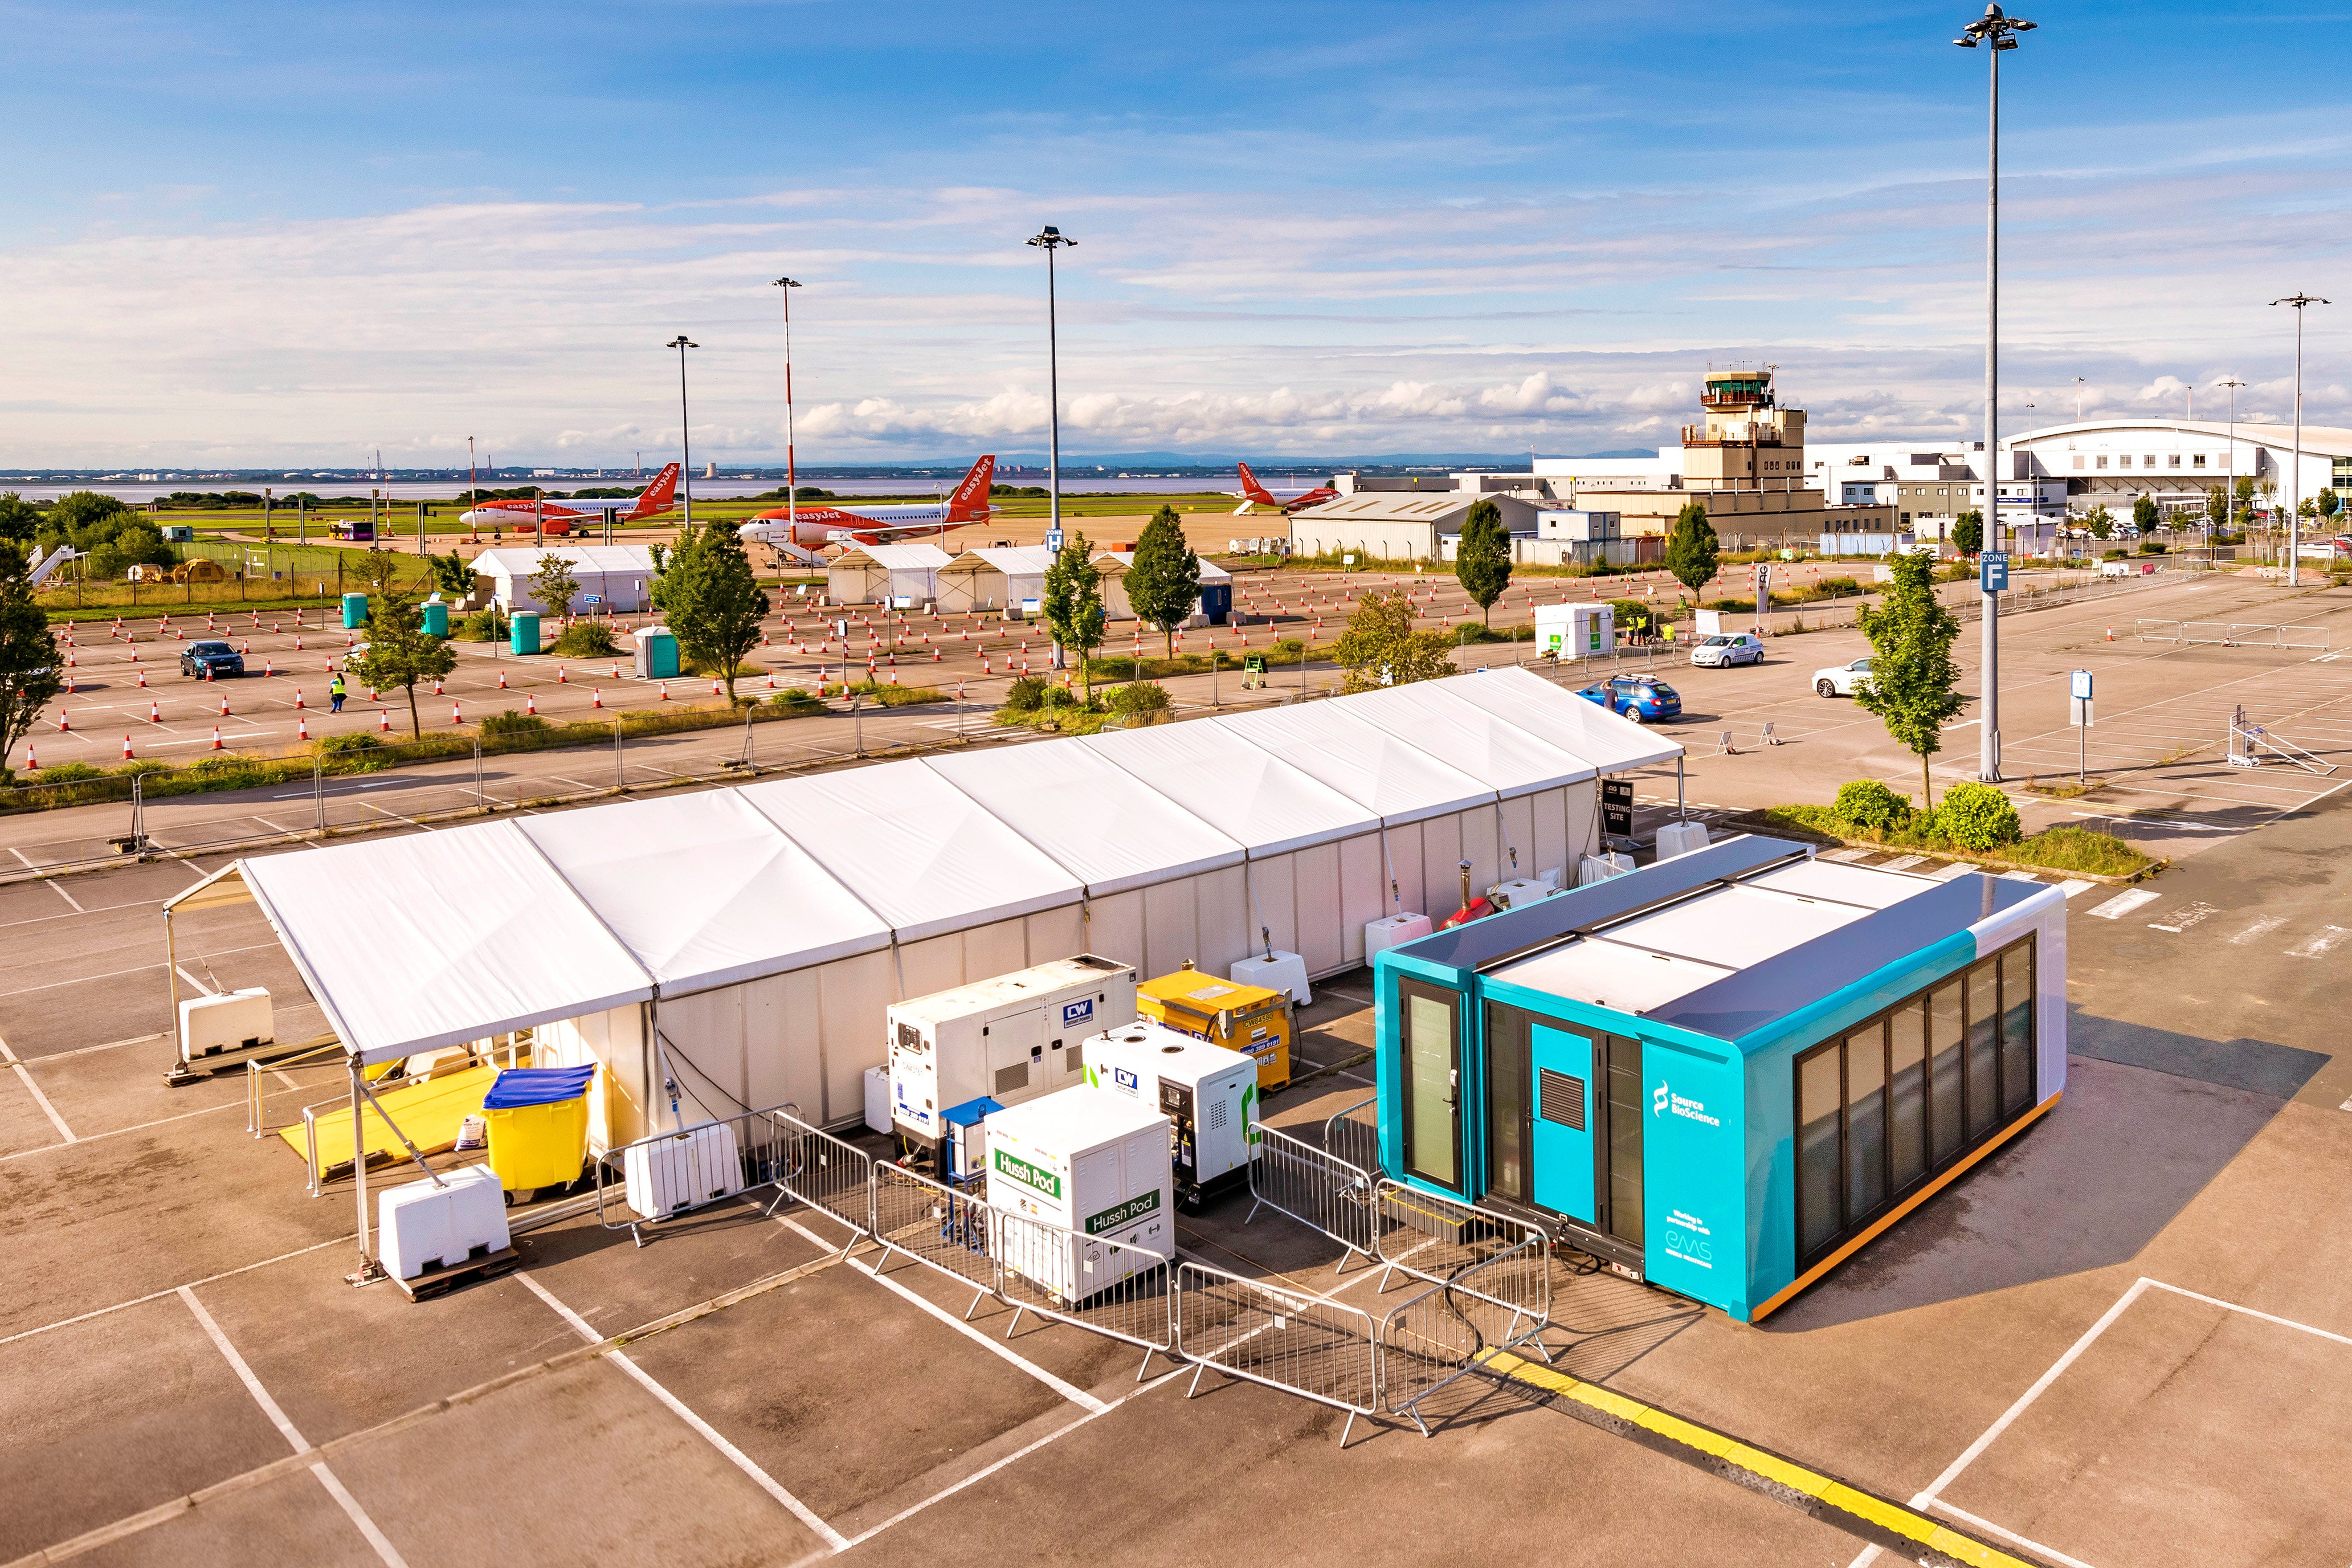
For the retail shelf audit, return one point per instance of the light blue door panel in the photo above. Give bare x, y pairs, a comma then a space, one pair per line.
1561, 1066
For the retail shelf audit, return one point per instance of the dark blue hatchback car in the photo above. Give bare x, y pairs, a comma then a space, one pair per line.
217, 658
1640, 697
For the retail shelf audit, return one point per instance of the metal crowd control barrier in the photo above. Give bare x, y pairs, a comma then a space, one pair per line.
690, 1168
827, 1174
2248, 741
943, 1227
1315, 1188
1088, 1281
255, 1068
1448, 1330
1352, 1136
1316, 1347
1435, 1239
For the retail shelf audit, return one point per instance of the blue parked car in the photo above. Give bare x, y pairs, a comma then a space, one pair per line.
1640, 697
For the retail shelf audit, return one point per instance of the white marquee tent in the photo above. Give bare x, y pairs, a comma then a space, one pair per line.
744, 943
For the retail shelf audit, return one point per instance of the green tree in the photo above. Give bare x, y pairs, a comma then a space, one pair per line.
1073, 604
453, 575
1968, 532
2099, 523
399, 654
1693, 552
28, 653
713, 606
2146, 517
19, 518
136, 544
555, 587
2216, 509
1482, 557
1380, 646
1914, 681
2329, 504
1164, 584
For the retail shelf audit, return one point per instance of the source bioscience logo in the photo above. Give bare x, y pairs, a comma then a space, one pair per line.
1664, 1099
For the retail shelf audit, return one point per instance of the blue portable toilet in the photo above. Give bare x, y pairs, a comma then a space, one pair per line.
354, 611
656, 654
1727, 1072
525, 631
437, 619
1217, 602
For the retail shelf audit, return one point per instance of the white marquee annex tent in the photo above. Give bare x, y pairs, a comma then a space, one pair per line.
744, 943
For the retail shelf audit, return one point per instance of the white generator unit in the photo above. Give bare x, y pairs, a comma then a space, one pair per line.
213, 1029
1007, 1039
1072, 1172
429, 1224
679, 1171
1208, 1093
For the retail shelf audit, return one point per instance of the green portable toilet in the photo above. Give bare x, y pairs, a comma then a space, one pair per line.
656, 655
355, 610
526, 631
437, 619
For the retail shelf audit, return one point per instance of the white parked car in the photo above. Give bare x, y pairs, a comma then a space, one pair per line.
1727, 648
1839, 681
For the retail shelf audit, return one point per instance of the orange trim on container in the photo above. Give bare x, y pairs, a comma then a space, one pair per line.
1907, 1205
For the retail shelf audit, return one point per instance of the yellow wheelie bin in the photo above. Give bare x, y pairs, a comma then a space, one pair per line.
1246, 1018
537, 1120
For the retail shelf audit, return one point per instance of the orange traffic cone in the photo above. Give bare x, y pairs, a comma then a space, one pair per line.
224, 704
64, 723
530, 704
155, 712
383, 721
716, 689
142, 681
32, 759
297, 697
502, 682
562, 679
216, 740
596, 697
456, 715
438, 692
665, 690
126, 748
301, 728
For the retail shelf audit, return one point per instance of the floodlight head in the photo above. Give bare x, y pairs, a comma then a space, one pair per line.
2021, 25
1049, 237
1965, 43
681, 342
2004, 43
786, 283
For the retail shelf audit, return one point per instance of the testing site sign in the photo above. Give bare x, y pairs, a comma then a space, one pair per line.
1992, 569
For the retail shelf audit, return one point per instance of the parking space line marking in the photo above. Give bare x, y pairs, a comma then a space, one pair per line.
285, 1429
678, 1407
2052, 1552
119, 1131
182, 970
119, 973
2248, 1312
1071, 1392
58, 889
2122, 903
2314, 946
48, 1110
2263, 925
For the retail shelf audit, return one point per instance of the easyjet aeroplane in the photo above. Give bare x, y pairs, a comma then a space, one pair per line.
658, 498
804, 531
1256, 494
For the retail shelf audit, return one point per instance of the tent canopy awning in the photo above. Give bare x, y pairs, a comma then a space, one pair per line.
1513, 760
704, 891
1586, 730
915, 849
1390, 777
1101, 823
1244, 792
413, 944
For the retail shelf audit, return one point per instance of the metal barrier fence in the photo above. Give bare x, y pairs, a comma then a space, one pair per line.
1436, 1238
1351, 1135
2229, 634
1307, 1345
1446, 1332
943, 1227
827, 1174
1090, 1282
676, 1173
1320, 1191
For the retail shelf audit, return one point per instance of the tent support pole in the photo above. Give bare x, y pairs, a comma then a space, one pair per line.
172, 973
358, 1172
1682, 811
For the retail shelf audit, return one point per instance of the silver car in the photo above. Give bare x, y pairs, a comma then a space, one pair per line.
1726, 648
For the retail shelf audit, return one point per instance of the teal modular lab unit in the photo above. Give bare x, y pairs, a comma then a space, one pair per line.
1725, 1072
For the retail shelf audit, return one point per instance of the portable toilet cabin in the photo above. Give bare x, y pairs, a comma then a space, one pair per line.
1726, 1072
354, 611
1575, 631
436, 617
656, 654
523, 632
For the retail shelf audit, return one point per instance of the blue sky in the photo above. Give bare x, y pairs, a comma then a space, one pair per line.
246, 233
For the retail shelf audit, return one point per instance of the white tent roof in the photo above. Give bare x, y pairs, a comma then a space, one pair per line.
915, 849
1560, 716
413, 944
1097, 820
1013, 561
1507, 757
1210, 571
596, 560
896, 557
1244, 791
1372, 766
703, 889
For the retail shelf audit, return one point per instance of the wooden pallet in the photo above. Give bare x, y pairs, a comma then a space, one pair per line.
435, 1281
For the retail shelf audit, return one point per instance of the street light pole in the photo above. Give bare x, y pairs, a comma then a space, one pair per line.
2000, 31
2294, 479
2230, 493
685, 431
1049, 239
792, 465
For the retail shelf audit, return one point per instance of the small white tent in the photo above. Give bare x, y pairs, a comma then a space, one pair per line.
993, 579
867, 575
618, 576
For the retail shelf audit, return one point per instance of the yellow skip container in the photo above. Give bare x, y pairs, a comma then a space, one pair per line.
538, 1121
1246, 1018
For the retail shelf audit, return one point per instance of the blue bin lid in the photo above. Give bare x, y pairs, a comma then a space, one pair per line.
537, 1085
971, 1113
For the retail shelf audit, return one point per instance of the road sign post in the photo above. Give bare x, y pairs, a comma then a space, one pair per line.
2078, 714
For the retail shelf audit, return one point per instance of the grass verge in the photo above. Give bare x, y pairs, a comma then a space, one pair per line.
2079, 849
